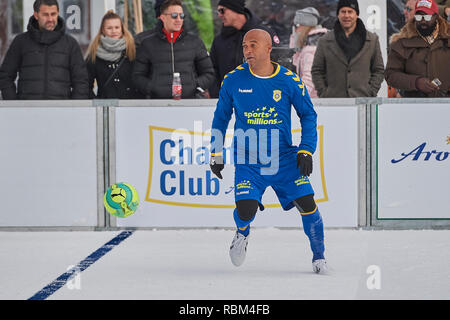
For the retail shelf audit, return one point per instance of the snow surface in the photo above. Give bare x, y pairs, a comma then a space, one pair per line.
194, 264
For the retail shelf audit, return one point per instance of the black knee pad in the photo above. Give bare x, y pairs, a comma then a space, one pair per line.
305, 204
247, 209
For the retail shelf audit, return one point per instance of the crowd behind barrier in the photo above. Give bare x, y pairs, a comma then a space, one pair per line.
119, 66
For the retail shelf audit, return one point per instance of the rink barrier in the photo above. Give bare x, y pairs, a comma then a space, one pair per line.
103, 119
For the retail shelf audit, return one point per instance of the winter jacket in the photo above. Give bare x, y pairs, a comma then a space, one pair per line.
49, 63
147, 33
226, 49
411, 57
120, 85
303, 59
153, 70
334, 76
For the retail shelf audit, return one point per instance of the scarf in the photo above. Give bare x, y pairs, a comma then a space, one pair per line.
110, 49
355, 41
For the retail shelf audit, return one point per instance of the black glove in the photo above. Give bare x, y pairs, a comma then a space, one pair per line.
216, 165
304, 161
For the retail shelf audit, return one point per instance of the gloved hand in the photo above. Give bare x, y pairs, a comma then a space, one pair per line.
305, 162
216, 164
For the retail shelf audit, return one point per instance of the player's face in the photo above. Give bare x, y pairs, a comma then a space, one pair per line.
172, 24
347, 18
255, 52
113, 28
47, 17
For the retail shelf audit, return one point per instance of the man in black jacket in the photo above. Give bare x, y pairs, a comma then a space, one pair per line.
226, 49
171, 50
49, 62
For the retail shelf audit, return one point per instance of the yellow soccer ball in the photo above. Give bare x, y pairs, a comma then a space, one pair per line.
121, 200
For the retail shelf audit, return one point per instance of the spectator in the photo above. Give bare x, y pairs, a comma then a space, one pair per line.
109, 60
420, 53
145, 34
226, 49
408, 11
49, 62
306, 34
168, 50
348, 61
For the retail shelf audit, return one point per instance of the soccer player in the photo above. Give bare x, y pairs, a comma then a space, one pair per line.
260, 93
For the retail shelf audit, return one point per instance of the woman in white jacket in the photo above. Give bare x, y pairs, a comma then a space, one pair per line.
305, 35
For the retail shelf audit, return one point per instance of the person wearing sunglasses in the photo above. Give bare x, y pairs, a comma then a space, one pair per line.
418, 60
226, 49
169, 50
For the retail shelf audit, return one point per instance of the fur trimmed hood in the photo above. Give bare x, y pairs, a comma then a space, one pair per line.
409, 31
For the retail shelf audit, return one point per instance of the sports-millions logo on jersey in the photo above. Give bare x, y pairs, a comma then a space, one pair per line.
277, 95
263, 116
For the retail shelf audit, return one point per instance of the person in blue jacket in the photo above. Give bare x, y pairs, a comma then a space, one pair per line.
260, 93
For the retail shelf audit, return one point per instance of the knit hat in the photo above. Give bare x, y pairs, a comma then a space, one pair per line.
427, 6
235, 5
307, 17
348, 3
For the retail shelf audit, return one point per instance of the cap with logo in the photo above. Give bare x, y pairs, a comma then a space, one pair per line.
427, 6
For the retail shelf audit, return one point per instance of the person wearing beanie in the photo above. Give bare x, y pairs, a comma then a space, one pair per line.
348, 61
353, 4
226, 49
305, 35
419, 53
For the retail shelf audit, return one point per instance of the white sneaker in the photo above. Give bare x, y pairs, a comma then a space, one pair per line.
320, 266
238, 249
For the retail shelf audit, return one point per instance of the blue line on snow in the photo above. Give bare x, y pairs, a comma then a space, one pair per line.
83, 265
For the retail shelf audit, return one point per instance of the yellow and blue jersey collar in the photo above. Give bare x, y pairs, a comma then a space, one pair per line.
277, 70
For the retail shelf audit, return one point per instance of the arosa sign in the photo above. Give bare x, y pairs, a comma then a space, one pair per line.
422, 153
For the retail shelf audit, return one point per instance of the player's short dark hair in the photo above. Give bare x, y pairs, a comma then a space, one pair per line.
38, 3
169, 3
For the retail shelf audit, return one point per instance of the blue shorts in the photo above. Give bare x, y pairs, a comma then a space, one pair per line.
287, 183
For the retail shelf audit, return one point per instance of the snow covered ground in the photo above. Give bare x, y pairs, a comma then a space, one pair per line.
194, 264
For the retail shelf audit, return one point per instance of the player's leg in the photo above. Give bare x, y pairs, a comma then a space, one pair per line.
313, 227
243, 215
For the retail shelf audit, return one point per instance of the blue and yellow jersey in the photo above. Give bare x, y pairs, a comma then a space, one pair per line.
262, 108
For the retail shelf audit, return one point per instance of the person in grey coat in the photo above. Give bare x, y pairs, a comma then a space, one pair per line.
348, 60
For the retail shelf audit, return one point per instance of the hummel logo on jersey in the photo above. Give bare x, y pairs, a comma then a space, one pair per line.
245, 90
